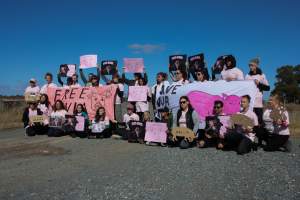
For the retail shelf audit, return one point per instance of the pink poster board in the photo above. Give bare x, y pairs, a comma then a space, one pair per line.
88, 61
156, 132
137, 93
134, 65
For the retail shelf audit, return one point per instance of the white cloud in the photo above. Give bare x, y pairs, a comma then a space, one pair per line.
146, 48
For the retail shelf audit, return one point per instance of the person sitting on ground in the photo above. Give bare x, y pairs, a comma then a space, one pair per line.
242, 138
262, 84
33, 88
215, 128
122, 132
81, 111
100, 127
186, 118
45, 106
57, 119
49, 84
33, 128
275, 131
166, 117
231, 72
138, 129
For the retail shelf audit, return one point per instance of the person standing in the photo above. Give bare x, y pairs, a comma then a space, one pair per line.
49, 84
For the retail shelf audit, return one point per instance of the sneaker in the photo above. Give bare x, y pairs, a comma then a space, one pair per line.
116, 136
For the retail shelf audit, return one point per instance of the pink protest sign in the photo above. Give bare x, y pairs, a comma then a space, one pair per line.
88, 61
203, 103
72, 70
80, 123
137, 93
135, 65
91, 97
156, 132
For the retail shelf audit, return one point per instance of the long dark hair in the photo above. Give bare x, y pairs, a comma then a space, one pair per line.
232, 59
47, 103
97, 116
187, 99
202, 72
83, 109
61, 104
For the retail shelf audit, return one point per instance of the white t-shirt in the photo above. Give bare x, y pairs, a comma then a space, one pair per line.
98, 127
273, 127
143, 106
252, 116
45, 87
234, 74
182, 82
182, 119
32, 112
258, 103
132, 117
32, 90
46, 110
121, 88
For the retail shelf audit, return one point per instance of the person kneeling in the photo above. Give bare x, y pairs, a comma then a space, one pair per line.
100, 125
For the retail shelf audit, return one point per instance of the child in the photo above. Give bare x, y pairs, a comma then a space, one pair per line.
100, 127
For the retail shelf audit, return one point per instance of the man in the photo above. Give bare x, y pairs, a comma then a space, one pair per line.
32, 89
243, 140
49, 84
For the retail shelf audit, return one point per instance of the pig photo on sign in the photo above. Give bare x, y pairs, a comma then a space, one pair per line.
109, 67
177, 62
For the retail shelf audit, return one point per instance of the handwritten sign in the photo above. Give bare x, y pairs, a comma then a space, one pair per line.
56, 122
135, 65
186, 133
71, 70
37, 119
88, 61
156, 132
80, 123
91, 97
137, 93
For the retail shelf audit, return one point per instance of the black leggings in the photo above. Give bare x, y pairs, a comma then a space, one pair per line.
238, 141
259, 113
36, 130
274, 142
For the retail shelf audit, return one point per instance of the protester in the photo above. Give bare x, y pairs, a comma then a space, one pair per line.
215, 128
243, 139
218, 67
49, 84
138, 129
198, 64
262, 84
200, 76
33, 88
136, 76
186, 118
81, 111
143, 106
95, 82
167, 117
33, 128
180, 77
275, 131
231, 72
91, 76
75, 81
44, 106
100, 127
158, 89
57, 120
119, 97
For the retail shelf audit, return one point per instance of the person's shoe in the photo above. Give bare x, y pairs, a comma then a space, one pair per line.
163, 144
116, 137
151, 143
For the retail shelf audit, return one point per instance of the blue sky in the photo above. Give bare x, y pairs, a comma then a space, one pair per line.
37, 35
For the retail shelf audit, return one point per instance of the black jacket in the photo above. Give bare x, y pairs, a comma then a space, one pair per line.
25, 117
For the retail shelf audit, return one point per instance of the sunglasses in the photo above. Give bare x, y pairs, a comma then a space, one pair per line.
182, 102
217, 107
198, 74
177, 73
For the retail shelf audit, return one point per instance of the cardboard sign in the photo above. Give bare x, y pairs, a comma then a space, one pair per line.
56, 122
156, 132
67, 70
186, 133
80, 123
134, 65
138, 93
29, 97
177, 62
88, 61
91, 97
109, 67
242, 120
37, 119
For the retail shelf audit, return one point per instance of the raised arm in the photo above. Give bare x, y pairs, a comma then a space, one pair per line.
59, 79
82, 76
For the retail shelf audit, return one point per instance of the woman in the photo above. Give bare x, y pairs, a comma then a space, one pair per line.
44, 105
143, 106
181, 77
243, 140
80, 111
100, 127
275, 131
119, 97
218, 67
231, 72
57, 119
49, 84
262, 84
186, 118
33, 128
200, 76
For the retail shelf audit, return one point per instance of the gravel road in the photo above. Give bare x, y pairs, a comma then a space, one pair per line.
67, 168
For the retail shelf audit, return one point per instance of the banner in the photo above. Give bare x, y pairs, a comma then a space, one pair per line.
91, 97
156, 132
88, 61
138, 93
203, 94
134, 65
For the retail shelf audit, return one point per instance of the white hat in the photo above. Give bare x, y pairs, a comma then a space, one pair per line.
32, 80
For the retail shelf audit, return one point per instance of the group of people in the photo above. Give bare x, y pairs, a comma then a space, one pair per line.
270, 122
